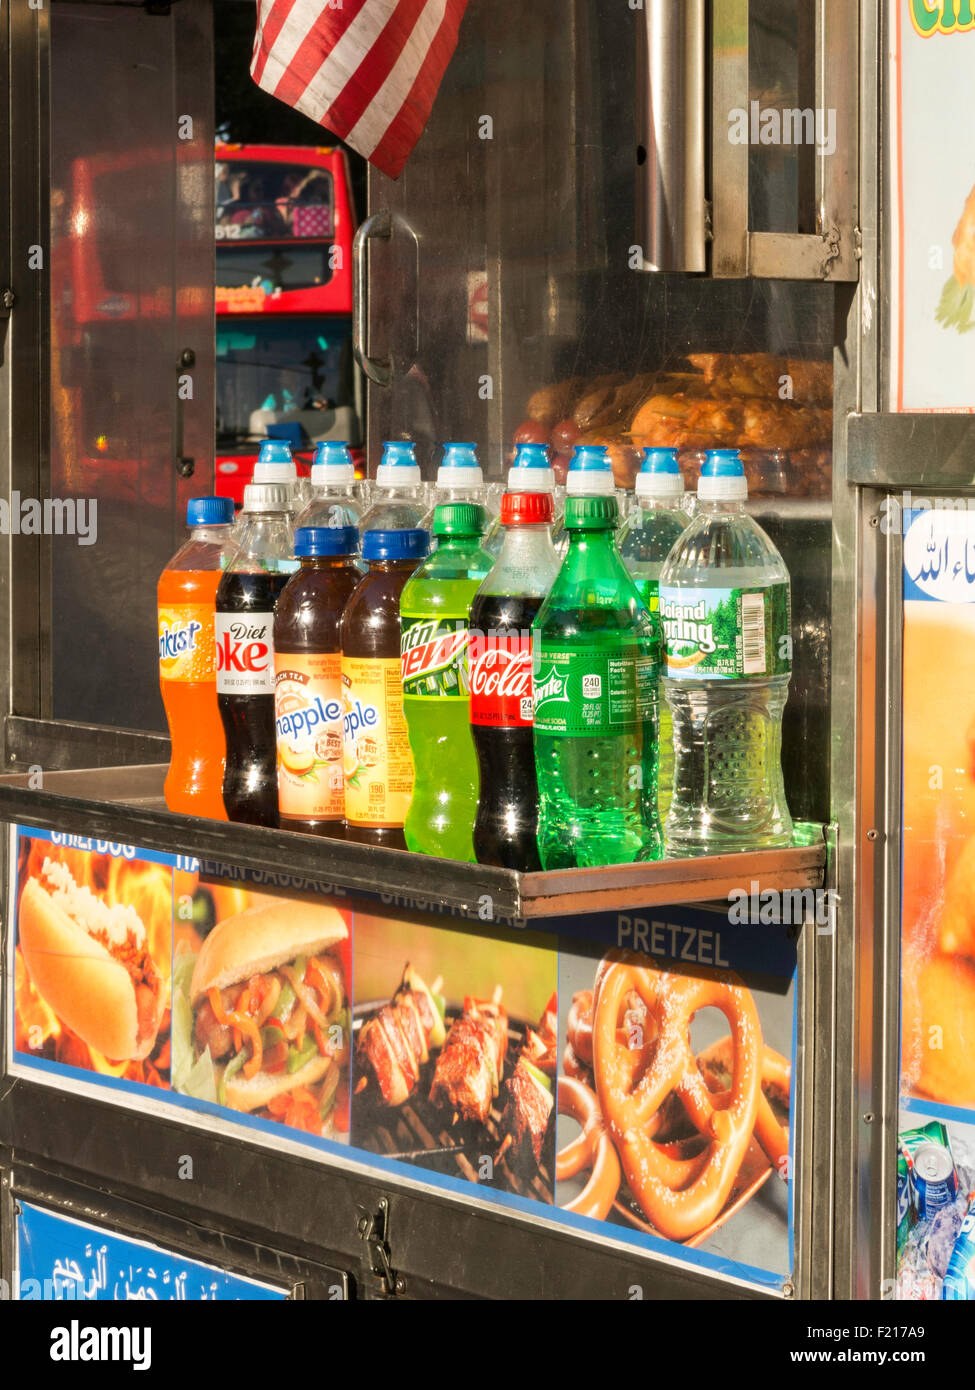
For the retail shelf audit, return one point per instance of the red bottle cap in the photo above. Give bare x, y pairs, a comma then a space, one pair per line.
526, 508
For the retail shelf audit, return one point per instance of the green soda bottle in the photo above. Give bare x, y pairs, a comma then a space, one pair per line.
656, 523
595, 672
435, 609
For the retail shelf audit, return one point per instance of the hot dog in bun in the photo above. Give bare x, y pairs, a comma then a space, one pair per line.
91, 964
268, 1000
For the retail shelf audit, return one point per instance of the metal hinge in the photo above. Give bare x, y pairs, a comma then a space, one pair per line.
374, 1230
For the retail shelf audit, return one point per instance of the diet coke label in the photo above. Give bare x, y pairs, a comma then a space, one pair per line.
501, 682
245, 653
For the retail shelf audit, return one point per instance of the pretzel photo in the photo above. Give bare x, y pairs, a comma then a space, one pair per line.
694, 1136
592, 1151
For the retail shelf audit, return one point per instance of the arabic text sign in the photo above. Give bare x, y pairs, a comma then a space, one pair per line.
59, 1258
939, 555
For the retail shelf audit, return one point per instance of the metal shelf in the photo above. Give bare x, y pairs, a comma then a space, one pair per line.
125, 804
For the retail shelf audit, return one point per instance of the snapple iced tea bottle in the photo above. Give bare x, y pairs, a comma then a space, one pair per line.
308, 680
378, 763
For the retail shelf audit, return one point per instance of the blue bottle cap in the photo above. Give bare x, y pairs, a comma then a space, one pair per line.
326, 540
209, 511
660, 461
723, 463
399, 453
410, 544
274, 451
332, 451
722, 477
459, 456
590, 458
532, 456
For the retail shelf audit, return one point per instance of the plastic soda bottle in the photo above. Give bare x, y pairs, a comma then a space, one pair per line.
500, 663
186, 599
397, 493
725, 605
596, 663
334, 498
276, 464
244, 628
378, 764
435, 612
531, 471
655, 524
308, 707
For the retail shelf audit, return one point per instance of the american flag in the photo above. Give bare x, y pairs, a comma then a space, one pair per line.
367, 70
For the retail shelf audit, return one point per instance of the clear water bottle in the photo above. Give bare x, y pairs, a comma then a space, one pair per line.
725, 605
334, 499
531, 472
397, 494
590, 475
459, 479
656, 522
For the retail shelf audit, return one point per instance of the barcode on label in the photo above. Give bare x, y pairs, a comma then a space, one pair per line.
753, 634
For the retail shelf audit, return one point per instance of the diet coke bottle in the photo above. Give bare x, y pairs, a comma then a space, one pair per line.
500, 659
244, 632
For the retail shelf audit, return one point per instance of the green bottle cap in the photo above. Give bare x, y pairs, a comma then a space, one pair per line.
459, 519
591, 513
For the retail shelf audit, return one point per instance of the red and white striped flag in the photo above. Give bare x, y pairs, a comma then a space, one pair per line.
367, 70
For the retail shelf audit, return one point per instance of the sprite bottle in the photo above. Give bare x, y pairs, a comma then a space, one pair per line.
435, 611
595, 673
656, 522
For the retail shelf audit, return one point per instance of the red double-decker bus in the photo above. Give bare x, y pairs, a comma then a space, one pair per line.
285, 368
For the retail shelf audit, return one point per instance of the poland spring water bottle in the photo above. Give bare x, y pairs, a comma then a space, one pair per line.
725, 605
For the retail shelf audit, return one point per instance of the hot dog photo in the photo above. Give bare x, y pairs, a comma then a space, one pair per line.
92, 974
260, 1005
674, 1096
454, 1052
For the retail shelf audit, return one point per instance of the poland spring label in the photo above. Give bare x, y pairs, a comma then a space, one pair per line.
596, 692
727, 634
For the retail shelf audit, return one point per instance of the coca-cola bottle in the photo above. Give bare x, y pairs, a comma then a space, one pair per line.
244, 632
500, 658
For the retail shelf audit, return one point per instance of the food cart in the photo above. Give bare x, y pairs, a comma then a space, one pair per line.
604, 203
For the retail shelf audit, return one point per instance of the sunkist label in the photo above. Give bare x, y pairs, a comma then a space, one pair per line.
433, 656
377, 759
308, 717
594, 692
727, 634
500, 675
186, 645
245, 653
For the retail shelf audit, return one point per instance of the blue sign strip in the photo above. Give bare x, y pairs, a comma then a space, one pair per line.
61, 1258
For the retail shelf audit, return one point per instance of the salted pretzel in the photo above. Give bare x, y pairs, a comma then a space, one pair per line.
678, 1195
592, 1151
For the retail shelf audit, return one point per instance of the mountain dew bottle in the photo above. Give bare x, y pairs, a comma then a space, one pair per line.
725, 605
656, 523
595, 672
435, 609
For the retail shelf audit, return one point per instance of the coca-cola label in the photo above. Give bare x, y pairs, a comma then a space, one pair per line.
245, 653
501, 679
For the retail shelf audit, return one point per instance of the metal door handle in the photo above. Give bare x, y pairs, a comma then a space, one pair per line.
377, 369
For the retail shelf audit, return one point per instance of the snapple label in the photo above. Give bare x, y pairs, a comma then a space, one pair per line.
378, 762
308, 716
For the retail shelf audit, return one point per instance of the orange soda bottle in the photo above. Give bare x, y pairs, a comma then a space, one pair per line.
186, 598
